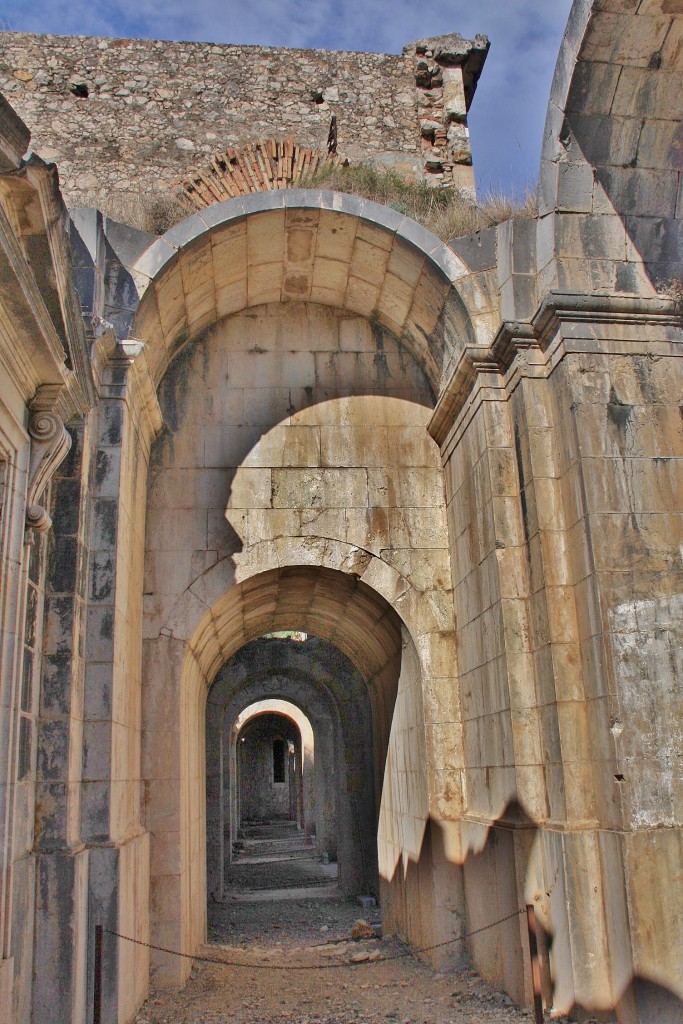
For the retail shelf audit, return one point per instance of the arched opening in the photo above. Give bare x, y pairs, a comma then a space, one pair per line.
319, 687
289, 761
295, 487
263, 795
359, 634
267, 794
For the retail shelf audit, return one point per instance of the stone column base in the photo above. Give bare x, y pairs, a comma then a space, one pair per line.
6, 986
59, 995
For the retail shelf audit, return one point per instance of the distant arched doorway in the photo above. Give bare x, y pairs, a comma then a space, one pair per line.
291, 761
317, 688
269, 770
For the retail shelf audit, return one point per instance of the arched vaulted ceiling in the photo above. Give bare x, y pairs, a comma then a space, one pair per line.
332, 605
319, 247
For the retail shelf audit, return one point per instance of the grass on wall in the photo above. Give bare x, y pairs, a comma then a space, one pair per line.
152, 212
445, 212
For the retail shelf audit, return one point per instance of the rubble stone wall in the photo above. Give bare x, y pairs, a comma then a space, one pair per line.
134, 117
164, 108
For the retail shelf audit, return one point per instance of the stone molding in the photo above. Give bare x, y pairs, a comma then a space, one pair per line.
44, 179
50, 443
120, 367
531, 348
28, 298
41, 346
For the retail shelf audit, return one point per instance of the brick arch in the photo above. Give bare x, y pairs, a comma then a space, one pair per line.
260, 166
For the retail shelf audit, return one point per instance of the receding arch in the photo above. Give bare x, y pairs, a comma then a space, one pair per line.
287, 710
364, 577
316, 678
227, 712
267, 781
312, 246
339, 608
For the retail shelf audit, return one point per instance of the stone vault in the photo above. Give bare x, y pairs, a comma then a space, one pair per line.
456, 466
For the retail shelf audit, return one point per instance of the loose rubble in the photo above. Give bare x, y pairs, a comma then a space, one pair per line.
352, 981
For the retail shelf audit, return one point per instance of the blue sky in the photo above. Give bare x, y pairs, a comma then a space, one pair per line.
506, 119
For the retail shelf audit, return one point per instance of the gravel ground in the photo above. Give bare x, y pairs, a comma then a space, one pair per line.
317, 932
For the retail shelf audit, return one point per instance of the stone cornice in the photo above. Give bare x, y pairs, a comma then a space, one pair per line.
563, 307
473, 360
32, 348
43, 178
26, 291
525, 344
122, 372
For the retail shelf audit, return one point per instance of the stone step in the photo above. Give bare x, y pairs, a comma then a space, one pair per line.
277, 844
270, 830
261, 857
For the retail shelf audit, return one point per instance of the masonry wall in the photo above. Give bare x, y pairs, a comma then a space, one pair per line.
157, 110
134, 117
564, 509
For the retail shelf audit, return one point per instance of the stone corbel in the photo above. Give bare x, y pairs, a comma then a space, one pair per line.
122, 372
50, 442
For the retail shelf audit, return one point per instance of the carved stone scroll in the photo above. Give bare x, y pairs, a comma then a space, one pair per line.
50, 443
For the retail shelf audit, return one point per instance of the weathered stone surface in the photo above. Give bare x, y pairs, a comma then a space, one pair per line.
169, 106
456, 470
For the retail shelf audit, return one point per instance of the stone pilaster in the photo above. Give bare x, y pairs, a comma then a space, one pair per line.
126, 419
61, 859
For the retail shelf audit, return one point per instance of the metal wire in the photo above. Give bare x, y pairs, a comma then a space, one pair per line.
412, 951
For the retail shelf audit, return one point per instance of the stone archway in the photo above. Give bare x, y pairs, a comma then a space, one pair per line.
268, 785
329, 604
343, 610
295, 460
323, 687
301, 810
324, 248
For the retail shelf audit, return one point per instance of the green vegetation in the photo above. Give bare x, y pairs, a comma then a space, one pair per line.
445, 212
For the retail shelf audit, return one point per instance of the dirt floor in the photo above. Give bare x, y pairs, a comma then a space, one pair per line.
366, 981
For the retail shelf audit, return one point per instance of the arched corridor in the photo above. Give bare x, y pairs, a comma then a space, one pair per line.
338, 795
290, 761
295, 487
452, 468
358, 684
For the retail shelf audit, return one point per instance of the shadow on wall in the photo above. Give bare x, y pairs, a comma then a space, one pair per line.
493, 931
623, 113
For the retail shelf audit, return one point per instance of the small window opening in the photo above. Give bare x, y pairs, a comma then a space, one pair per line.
80, 89
278, 760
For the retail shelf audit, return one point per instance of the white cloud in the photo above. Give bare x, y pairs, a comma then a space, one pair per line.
507, 116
